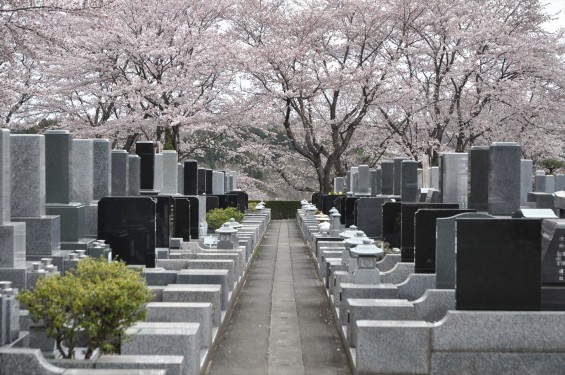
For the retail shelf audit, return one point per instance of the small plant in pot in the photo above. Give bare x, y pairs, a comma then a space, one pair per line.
97, 301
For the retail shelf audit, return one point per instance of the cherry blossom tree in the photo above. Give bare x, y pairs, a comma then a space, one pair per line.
312, 71
473, 72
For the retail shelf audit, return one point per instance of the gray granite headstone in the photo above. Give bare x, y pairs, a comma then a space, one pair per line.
102, 169
479, 159
83, 173
454, 177
434, 178
379, 181
550, 184
369, 215
559, 182
217, 183
234, 180
504, 179
158, 173
420, 177
397, 187
42, 232
364, 182
409, 180
180, 177
120, 173
354, 180
526, 172
134, 175
445, 249
170, 172
28, 175
540, 180
347, 182
339, 185
387, 181
373, 178
58, 175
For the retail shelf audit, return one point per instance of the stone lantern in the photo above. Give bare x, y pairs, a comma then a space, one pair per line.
358, 238
335, 222
234, 224
366, 254
324, 228
228, 238
348, 233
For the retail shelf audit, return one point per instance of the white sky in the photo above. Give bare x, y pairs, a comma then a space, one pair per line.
554, 6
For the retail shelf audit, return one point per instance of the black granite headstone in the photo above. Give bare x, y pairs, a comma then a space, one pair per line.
181, 218
240, 198
369, 215
553, 265
392, 223
163, 217
479, 162
194, 217
201, 181
127, 224
408, 211
212, 202
190, 177
209, 181
146, 152
498, 264
425, 237
350, 211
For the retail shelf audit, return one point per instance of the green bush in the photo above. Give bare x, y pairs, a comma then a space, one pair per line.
218, 216
98, 299
281, 210
551, 165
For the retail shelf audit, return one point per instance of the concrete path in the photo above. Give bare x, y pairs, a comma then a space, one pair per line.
281, 323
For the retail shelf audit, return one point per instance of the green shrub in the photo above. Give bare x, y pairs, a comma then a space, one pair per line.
551, 165
218, 216
281, 210
98, 299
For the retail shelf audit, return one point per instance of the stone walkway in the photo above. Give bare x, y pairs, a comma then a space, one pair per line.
281, 323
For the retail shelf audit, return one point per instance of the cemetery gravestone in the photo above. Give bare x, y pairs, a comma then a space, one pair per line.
190, 177
170, 172
504, 181
446, 240
498, 264
397, 166
409, 180
102, 171
408, 210
134, 172
454, 178
479, 159
127, 224
425, 237
526, 170
120, 173
387, 181
146, 153
392, 223
201, 181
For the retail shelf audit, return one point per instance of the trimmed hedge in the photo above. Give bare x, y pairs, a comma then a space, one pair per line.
281, 210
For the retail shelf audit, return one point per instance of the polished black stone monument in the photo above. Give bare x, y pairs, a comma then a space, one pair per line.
425, 236
201, 181
408, 210
190, 177
146, 152
127, 224
498, 264
392, 223
181, 218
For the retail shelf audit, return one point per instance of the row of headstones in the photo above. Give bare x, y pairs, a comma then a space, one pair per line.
485, 179
482, 263
52, 184
193, 292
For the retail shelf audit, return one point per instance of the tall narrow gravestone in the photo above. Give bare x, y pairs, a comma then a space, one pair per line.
133, 177
120, 173
12, 235
158, 173
409, 180
58, 173
498, 264
190, 177
146, 153
170, 172
43, 232
504, 178
526, 171
102, 170
180, 178
201, 181
479, 159
387, 177
397, 187
453, 178
553, 264
83, 184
